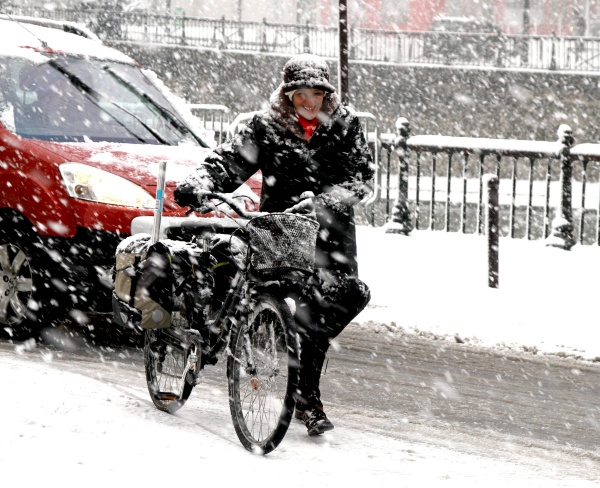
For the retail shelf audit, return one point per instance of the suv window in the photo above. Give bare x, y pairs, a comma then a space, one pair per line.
74, 99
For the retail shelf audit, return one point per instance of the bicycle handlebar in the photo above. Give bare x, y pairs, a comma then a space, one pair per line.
242, 212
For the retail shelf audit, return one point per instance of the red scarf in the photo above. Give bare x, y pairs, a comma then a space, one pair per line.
309, 126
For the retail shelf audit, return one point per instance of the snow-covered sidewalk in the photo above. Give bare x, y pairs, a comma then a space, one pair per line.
436, 282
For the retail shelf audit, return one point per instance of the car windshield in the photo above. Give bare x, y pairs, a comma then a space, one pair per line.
69, 99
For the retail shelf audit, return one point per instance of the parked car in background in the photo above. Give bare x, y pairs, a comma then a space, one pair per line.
462, 38
82, 132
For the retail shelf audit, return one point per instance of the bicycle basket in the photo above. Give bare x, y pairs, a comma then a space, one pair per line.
282, 242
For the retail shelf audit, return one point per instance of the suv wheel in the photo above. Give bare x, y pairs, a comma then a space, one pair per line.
26, 301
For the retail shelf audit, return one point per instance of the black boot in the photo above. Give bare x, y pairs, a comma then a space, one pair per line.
315, 420
309, 408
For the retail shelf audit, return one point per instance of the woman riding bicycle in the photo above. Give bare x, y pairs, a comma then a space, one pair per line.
307, 141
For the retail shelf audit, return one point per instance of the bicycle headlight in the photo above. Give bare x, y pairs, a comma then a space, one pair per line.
95, 185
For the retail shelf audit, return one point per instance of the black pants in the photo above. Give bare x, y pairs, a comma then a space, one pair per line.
325, 307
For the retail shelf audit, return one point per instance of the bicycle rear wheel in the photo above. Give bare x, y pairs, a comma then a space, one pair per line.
171, 363
262, 373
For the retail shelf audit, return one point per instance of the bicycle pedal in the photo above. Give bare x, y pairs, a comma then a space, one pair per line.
193, 378
211, 360
194, 362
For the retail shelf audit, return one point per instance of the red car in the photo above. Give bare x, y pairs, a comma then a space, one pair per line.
82, 131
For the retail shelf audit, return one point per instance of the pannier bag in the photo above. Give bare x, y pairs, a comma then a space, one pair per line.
147, 276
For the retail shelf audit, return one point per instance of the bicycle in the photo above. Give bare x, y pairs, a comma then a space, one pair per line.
245, 314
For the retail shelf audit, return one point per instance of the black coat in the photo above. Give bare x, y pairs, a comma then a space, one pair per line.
335, 164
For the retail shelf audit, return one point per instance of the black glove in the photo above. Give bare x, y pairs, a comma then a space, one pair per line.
186, 196
187, 192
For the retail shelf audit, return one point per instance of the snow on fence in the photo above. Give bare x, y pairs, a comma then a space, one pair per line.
547, 190
448, 48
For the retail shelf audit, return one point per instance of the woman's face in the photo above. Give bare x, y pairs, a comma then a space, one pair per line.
308, 102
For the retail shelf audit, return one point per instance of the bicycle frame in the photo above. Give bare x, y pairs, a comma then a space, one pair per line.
239, 288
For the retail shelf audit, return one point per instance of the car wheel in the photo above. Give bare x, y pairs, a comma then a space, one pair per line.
27, 301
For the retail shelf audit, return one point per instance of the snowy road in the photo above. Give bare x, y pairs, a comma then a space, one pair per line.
470, 390
406, 408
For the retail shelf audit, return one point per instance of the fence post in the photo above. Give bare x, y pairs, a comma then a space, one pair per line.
493, 231
561, 235
183, 39
223, 44
401, 220
553, 63
263, 35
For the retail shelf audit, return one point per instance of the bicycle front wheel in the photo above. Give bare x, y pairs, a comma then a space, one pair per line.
262, 372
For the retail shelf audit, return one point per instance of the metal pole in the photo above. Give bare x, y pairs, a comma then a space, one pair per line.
526, 32
160, 198
587, 18
307, 37
343, 54
493, 230
526, 18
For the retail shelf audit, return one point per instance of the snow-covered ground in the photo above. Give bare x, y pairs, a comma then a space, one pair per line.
436, 282
65, 424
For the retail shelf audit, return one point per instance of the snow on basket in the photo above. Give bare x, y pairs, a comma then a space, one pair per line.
282, 242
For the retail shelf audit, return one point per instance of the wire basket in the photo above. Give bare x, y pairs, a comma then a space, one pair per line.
282, 242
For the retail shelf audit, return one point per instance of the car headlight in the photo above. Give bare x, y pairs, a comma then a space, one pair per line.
88, 183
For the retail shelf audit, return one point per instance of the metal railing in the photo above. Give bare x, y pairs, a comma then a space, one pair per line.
442, 48
213, 118
547, 190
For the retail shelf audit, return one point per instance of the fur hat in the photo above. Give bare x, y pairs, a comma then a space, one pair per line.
306, 70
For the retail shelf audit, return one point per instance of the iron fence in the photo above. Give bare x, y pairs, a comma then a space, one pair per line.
547, 190
462, 49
